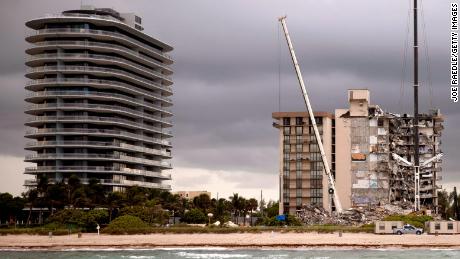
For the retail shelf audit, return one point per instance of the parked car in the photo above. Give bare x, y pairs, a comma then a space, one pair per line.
408, 229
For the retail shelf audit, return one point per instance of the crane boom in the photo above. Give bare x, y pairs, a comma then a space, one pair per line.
327, 170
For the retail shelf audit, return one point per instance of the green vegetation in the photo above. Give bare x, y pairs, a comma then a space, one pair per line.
127, 224
415, 220
195, 216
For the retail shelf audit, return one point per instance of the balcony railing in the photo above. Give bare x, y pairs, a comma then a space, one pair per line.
107, 33
98, 131
109, 182
97, 119
77, 106
97, 56
128, 171
98, 156
97, 81
110, 71
99, 144
59, 43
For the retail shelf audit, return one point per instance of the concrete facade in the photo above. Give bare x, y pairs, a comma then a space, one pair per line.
98, 100
301, 169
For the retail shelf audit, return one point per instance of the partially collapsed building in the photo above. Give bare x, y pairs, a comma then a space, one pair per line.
363, 138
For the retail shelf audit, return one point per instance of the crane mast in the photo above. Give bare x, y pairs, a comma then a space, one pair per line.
327, 170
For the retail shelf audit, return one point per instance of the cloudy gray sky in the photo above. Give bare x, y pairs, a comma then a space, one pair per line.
229, 57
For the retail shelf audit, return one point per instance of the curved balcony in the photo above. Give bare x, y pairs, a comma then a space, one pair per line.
98, 34
97, 144
96, 169
34, 109
43, 95
95, 132
38, 120
104, 84
110, 182
100, 46
34, 73
121, 62
85, 156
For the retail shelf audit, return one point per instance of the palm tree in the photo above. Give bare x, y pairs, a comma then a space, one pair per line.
235, 201
31, 197
95, 192
252, 205
114, 200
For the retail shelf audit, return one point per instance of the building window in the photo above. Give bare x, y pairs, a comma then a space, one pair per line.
286, 138
316, 200
298, 156
298, 130
450, 226
298, 201
437, 226
138, 19
286, 173
298, 139
316, 192
298, 121
286, 156
298, 192
286, 121
380, 122
286, 165
298, 174
287, 130
298, 148
298, 165
381, 226
316, 183
287, 148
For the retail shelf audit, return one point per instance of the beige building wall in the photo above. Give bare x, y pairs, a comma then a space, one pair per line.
190, 195
343, 157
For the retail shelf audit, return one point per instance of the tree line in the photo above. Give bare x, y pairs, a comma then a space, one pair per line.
89, 204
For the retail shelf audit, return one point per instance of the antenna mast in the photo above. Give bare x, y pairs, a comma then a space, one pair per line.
416, 116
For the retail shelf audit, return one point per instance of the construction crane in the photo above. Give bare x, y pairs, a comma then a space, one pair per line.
327, 170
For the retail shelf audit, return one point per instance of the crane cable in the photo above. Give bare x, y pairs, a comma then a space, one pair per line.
427, 56
404, 63
279, 68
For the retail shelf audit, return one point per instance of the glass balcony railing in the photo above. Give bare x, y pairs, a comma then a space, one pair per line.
99, 144
106, 33
100, 57
34, 182
60, 43
123, 86
97, 132
98, 156
98, 119
78, 106
111, 71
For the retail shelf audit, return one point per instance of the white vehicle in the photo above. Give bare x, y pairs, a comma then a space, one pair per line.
408, 229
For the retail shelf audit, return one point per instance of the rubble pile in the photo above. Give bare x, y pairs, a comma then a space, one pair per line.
315, 215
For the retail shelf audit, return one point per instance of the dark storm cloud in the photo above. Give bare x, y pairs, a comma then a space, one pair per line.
226, 68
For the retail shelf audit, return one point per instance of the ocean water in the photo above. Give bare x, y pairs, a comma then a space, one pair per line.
218, 253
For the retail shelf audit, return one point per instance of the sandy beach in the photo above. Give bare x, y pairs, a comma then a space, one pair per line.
288, 240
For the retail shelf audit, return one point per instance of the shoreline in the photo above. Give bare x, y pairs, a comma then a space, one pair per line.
228, 241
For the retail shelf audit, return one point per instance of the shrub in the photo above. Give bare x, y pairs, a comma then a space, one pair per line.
127, 224
194, 216
291, 220
414, 220
150, 215
74, 217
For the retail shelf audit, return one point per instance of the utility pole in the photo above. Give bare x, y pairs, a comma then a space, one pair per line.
416, 136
